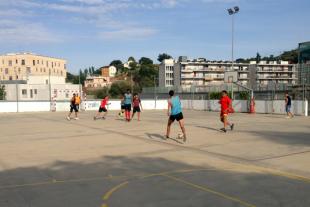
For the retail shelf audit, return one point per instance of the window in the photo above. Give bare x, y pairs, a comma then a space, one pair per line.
28, 70
46, 81
31, 93
16, 61
24, 93
6, 71
2, 62
18, 70
10, 78
10, 62
17, 77
52, 64
23, 62
65, 66
35, 91
36, 69
47, 63
38, 62
33, 62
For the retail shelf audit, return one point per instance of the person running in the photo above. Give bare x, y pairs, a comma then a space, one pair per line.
137, 106
288, 104
175, 113
73, 108
121, 113
127, 104
226, 108
77, 101
102, 108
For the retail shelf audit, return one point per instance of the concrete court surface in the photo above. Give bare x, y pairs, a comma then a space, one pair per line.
47, 161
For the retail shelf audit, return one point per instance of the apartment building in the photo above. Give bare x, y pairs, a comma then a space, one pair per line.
92, 82
166, 73
19, 66
272, 72
108, 71
304, 63
200, 72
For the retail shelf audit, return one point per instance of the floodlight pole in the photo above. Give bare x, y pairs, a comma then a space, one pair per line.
232, 41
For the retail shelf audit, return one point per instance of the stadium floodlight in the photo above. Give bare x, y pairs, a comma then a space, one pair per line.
230, 11
236, 8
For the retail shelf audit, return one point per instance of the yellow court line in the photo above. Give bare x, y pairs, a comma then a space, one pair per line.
206, 189
110, 192
104, 205
179, 171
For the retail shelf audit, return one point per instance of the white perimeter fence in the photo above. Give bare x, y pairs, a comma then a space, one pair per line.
269, 106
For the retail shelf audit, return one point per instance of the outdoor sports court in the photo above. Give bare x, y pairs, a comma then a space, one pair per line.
47, 161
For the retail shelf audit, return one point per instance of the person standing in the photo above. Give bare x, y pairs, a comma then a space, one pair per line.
121, 113
175, 113
127, 104
102, 108
226, 108
77, 101
73, 108
137, 106
288, 105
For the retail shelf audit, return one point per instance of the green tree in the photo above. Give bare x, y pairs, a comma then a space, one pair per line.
291, 56
118, 64
2, 92
163, 56
145, 61
131, 59
258, 57
118, 88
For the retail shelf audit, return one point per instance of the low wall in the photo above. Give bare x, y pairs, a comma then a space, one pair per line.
241, 106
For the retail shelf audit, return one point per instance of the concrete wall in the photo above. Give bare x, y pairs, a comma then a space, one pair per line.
276, 107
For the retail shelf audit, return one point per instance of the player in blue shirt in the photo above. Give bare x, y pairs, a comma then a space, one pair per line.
175, 113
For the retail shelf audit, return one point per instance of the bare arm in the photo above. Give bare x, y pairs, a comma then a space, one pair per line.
169, 107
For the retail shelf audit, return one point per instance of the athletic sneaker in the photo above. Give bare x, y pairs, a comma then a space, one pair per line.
232, 127
223, 130
76, 118
68, 118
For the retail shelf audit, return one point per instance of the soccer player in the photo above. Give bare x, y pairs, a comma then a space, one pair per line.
77, 101
102, 108
175, 113
127, 104
288, 104
137, 106
73, 108
121, 114
226, 108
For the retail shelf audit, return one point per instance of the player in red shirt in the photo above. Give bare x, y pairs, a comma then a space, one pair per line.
102, 108
226, 108
137, 106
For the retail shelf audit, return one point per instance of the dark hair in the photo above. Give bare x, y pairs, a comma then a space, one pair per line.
171, 93
135, 94
128, 90
224, 91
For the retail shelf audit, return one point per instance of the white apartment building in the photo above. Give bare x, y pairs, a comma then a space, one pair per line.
202, 72
166, 73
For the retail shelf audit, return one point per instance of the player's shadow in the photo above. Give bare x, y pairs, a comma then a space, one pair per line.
159, 136
206, 127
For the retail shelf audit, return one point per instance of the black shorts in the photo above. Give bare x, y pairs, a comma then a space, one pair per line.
73, 108
102, 109
127, 107
136, 109
123, 107
177, 117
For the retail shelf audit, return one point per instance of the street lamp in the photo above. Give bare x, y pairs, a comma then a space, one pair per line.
231, 12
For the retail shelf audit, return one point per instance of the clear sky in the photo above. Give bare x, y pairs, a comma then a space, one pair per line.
95, 32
